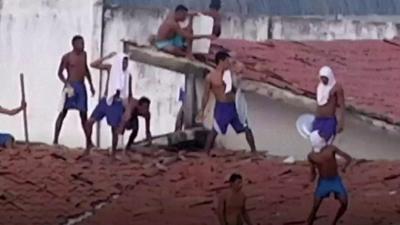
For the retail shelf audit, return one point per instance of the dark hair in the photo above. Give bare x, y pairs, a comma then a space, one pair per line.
215, 4
234, 177
76, 38
144, 100
181, 8
221, 56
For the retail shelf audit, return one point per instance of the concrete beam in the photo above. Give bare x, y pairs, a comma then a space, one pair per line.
156, 58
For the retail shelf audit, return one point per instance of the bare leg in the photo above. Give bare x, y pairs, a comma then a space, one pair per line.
132, 137
250, 140
343, 207
83, 116
114, 141
59, 123
210, 141
179, 120
88, 132
317, 204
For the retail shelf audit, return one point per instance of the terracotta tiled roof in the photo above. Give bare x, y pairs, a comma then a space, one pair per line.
368, 70
49, 185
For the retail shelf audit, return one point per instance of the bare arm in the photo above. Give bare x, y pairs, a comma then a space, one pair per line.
341, 106
12, 112
148, 133
61, 68
313, 169
206, 95
221, 210
187, 35
99, 63
345, 156
88, 75
246, 216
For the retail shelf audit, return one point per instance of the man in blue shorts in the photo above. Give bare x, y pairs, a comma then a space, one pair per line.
75, 96
225, 112
323, 160
330, 97
7, 140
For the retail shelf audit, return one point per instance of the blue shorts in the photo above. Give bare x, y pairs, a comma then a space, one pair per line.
225, 114
5, 138
177, 41
113, 112
326, 186
79, 100
326, 127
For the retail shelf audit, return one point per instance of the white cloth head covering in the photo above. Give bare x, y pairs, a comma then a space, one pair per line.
317, 142
323, 91
119, 79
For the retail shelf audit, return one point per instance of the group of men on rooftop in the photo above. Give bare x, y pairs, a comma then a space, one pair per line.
122, 110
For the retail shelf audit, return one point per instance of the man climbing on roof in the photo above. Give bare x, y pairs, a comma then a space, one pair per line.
7, 140
330, 110
175, 37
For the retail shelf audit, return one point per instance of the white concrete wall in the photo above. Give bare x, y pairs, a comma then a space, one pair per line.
320, 29
34, 34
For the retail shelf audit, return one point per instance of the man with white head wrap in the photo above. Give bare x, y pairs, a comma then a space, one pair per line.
323, 160
330, 97
117, 103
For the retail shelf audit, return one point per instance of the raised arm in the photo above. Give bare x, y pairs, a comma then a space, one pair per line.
345, 156
61, 68
341, 107
99, 63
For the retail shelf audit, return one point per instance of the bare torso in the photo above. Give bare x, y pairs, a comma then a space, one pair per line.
167, 29
234, 204
329, 109
76, 66
325, 161
218, 87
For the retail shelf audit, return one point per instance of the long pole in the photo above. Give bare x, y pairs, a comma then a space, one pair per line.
24, 111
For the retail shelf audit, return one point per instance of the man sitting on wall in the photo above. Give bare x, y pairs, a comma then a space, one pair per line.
173, 37
7, 140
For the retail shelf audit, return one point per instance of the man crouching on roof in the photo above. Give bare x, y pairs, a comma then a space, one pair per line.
117, 105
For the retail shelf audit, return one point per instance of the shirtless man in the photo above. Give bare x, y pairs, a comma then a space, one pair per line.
139, 108
113, 111
323, 160
174, 39
75, 62
7, 140
215, 6
232, 204
213, 11
330, 99
225, 112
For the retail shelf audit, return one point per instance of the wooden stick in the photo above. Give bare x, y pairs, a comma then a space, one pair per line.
24, 112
